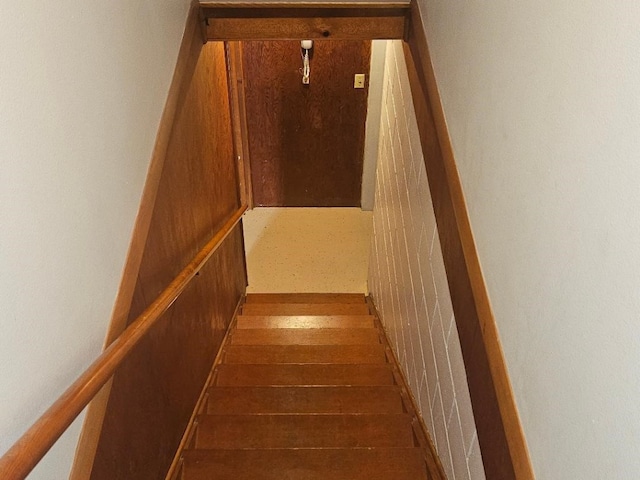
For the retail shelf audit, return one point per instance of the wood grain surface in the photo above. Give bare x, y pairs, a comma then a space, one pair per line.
154, 392
312, 374
247, 400
367, 353
319, 464
269, 26
306, 141
305, 321
304, 431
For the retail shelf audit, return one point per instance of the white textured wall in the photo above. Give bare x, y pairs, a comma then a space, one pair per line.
408, 283
82, 87
543, 104
374, 103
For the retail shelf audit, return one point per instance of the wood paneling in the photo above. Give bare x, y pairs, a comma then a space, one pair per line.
502, 442
154, 392
306, 141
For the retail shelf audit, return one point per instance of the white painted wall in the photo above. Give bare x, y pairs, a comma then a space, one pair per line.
374, 105
408, 283
543, 104
82, 87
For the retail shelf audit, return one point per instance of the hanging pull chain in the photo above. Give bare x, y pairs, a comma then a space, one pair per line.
306, 69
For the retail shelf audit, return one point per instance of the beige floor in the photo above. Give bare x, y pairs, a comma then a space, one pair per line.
307, 249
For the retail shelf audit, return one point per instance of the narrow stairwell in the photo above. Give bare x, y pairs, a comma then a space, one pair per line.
306, 388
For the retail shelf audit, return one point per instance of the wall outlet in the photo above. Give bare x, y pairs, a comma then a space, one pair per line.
358, 80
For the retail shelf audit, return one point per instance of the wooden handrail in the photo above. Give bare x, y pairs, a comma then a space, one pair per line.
25, 454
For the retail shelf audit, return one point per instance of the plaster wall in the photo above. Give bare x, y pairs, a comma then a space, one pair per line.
542, 100
82, 88
372, 132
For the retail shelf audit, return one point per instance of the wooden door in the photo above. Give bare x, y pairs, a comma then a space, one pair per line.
306, 141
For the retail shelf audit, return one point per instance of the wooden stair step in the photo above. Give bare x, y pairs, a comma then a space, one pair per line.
304, 431
305, 309
301, 336
305, 464
372, 353
305, 298
305, 321
312, 374
348, 399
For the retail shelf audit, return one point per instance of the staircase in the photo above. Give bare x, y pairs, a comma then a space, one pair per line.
306, 388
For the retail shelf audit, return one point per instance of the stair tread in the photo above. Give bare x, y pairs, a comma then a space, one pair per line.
304, 431
305, 309
305, 321
372, 353
303, 336
309, 374
206, 4
313, 399
305, 464
305, 298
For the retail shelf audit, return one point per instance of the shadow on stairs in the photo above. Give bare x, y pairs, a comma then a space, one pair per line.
307, 388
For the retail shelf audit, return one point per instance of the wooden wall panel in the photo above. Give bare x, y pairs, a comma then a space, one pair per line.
306, 141
154, 392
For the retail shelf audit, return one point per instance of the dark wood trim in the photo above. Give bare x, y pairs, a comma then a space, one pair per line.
502, 441
237, 101
190, 48
420, 431
300, 22
25, 454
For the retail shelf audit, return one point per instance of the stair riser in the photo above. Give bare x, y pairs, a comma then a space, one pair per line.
305, 298
295, 336
255, 375
332, 464
238, 400
345, 354
304, 431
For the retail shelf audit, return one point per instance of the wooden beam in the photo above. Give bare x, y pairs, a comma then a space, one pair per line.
311, 22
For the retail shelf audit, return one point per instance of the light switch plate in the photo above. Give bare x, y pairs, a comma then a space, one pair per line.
358, 80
